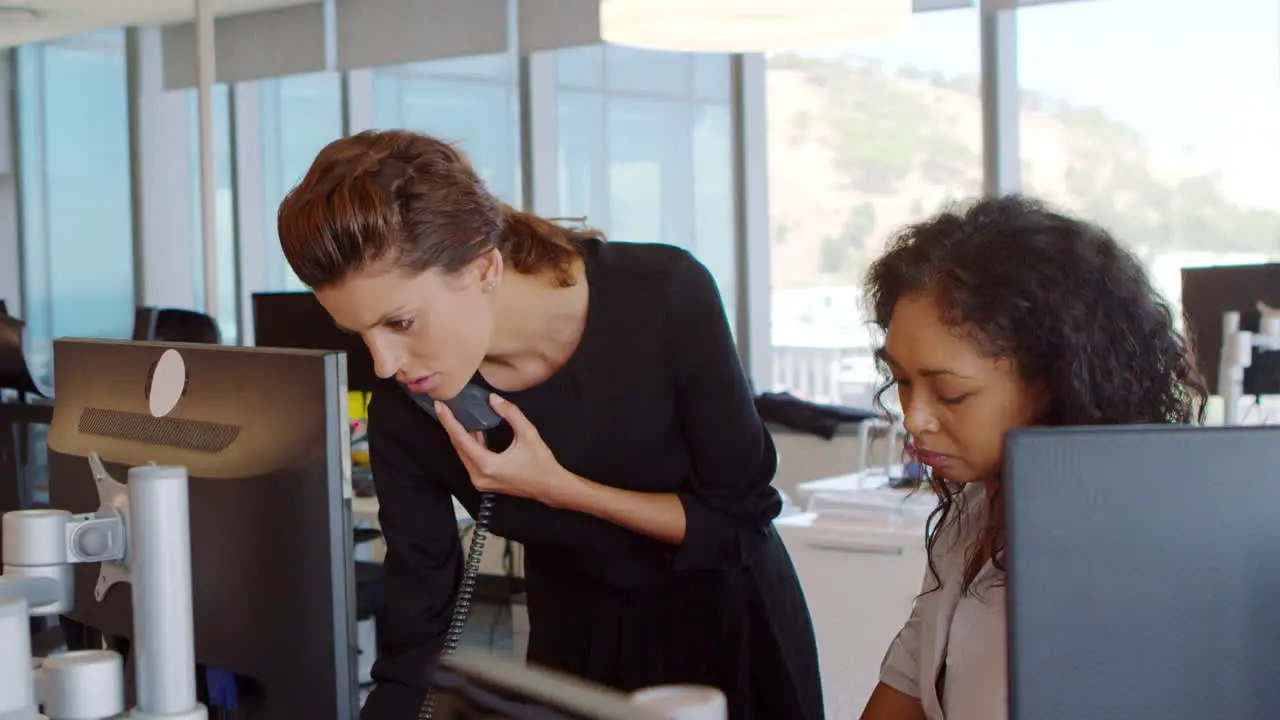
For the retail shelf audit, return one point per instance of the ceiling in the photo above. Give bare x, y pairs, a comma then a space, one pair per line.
59, 18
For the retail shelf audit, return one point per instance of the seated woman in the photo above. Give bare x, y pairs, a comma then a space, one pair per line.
1000, 316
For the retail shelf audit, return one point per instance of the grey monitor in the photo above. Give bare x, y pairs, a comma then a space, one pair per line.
1144, 565
298, 320
264, 436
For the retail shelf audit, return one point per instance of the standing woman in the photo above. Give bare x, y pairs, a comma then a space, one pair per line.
632, 465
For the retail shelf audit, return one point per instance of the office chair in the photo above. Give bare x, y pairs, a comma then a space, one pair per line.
175, 325
17, 414
15, 374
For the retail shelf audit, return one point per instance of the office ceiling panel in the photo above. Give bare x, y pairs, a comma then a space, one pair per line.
28, 21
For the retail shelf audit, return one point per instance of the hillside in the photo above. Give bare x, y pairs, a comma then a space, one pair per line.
857, 149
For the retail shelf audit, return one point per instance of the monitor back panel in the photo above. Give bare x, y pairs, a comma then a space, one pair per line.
1144, 573
261, 433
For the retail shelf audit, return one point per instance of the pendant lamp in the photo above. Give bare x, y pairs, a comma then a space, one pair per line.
747, 25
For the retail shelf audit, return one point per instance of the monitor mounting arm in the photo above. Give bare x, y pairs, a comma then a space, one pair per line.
140, 535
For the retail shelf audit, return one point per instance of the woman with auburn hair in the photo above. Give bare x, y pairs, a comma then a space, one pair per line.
1001, 315
632, 464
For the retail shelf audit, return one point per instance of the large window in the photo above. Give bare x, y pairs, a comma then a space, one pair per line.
75, 179
300, 115
1162, 128
645, 150
862, 140
472, 102
224, 223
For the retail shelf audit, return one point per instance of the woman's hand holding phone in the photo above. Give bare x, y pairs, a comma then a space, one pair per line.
527, 468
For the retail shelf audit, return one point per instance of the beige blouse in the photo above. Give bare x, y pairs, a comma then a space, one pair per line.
951, 652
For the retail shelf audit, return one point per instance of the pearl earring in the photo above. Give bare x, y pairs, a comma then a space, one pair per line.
489, 287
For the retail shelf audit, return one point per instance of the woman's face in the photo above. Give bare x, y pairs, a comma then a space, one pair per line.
957, 402
428, 330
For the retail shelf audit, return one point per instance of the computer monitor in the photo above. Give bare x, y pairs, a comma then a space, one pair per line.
1208, 293
1142, 569
264, 436
472, 684
298, 320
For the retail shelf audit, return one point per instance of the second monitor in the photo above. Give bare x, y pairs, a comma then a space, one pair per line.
298, 320
1142, 572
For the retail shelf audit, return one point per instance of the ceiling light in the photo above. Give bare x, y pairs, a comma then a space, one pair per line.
748, 25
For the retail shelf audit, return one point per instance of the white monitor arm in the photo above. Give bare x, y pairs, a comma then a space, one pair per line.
1237, 356
140, 534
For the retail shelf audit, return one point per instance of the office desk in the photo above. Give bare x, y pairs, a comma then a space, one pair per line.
860, 559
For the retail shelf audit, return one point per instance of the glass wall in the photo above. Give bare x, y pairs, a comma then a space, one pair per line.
1163, 133
644, 150
75, 183
228, 303
1165, 138
862, 139
473, 102
300, 115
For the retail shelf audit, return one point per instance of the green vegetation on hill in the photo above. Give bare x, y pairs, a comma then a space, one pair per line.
884, 125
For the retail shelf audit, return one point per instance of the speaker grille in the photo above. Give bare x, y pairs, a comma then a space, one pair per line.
196, 435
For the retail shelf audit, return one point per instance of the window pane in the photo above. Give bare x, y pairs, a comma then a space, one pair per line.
580, 67
646, 162
710, 76
648, 72
1166, 137
228, 303
863, 138
650, 177
300, 115
76, 180
582, 157
473, 102
713, 230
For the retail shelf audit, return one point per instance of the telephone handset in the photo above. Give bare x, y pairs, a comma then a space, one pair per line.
471, 408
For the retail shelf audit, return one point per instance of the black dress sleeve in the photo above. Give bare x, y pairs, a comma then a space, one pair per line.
423, 563
732, 501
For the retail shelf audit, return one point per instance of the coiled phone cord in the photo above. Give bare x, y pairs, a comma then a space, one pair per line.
466, 593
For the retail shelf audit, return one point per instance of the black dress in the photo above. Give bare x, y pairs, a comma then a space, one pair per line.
653, 400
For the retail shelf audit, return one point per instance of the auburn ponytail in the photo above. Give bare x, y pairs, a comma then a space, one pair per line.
533, 244
403, 197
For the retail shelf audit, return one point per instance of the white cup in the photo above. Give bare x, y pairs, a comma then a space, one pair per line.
683, 702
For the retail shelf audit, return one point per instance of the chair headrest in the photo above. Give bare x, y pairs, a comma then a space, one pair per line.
15, 374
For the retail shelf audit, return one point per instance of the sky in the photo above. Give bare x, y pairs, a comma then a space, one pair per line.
1199, 79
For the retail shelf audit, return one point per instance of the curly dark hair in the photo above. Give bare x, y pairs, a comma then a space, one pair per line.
1061, 298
